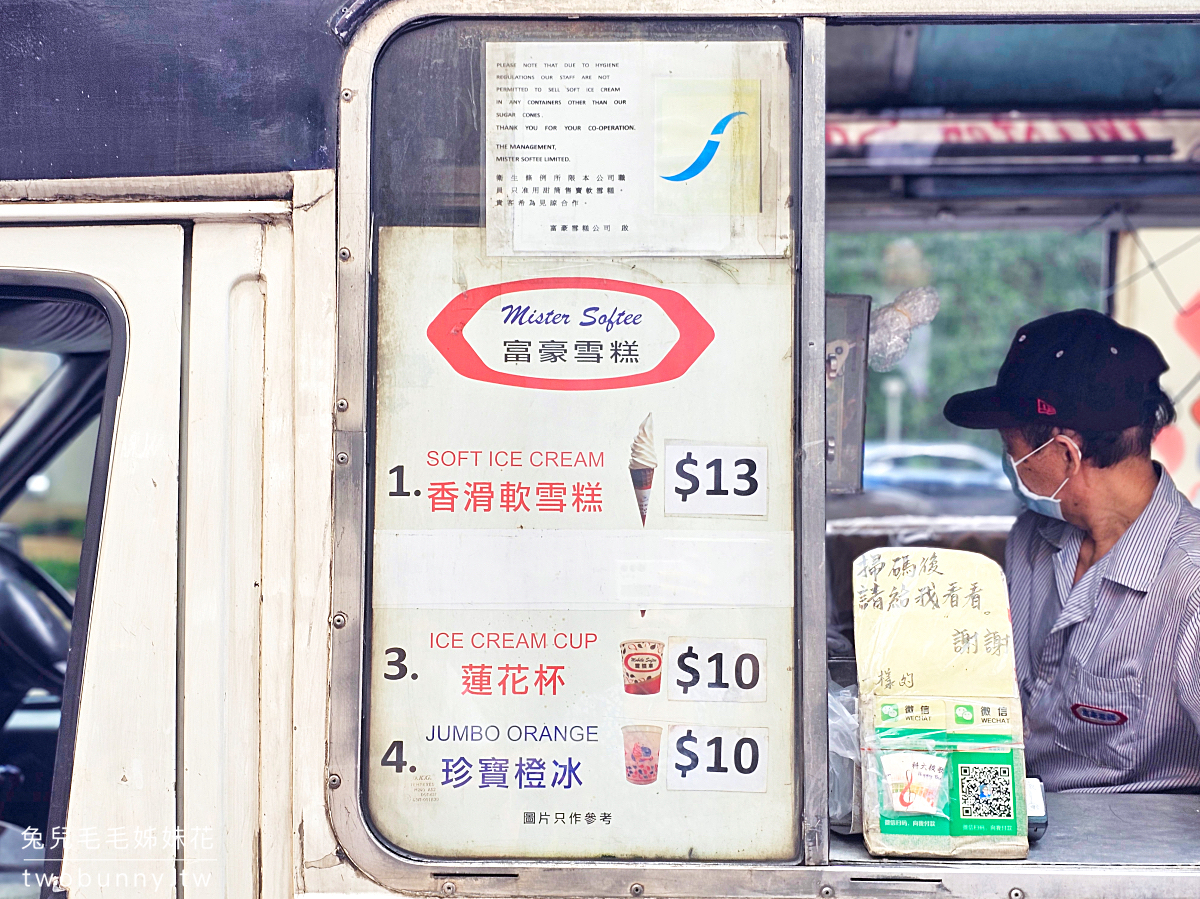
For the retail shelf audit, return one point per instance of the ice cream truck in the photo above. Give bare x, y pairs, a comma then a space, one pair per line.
452, 382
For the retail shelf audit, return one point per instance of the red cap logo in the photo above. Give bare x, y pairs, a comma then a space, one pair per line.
1045, 408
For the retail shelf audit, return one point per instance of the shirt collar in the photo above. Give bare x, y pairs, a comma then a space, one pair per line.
1055, 531
1135, 558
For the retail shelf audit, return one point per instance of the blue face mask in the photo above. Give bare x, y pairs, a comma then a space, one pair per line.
1034, 502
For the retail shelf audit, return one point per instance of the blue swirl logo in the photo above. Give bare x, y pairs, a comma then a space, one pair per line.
700, 163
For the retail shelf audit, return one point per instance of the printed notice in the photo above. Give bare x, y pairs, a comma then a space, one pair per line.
636, 148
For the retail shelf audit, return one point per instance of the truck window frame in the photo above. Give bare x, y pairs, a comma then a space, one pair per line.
353, 448
39, 284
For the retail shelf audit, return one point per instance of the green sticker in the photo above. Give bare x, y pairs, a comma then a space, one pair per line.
889, 711
964, 714
984, 794
984, 799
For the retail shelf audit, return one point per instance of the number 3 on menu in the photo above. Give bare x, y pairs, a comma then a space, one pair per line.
396, 669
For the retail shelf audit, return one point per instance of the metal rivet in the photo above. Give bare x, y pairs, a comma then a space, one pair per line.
826, 891
1016, 893
449, 889
342, 405
339, 620
347, 95
344, 254
1021, 339
343, 458
1058, 355
334, 781
636, 890
1113, 350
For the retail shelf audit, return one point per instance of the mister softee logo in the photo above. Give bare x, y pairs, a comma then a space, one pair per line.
570, 334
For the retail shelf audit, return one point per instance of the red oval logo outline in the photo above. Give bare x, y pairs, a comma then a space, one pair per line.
1098, 714
445, 332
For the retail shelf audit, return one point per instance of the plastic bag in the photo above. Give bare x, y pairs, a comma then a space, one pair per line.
843, 753
892, 326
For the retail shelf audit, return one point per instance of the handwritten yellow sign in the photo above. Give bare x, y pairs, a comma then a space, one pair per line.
934, 623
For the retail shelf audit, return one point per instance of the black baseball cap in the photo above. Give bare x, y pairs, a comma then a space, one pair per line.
1077, 369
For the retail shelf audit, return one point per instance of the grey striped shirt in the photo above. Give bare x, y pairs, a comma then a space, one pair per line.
1111, 696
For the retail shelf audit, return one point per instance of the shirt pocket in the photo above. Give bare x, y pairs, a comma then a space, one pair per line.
1099, 719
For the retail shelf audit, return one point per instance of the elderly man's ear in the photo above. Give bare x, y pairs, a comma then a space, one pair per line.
1071, 452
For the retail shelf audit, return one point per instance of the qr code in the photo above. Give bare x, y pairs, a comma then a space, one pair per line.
985, 791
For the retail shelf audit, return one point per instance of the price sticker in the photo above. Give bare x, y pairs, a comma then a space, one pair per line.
701, 669
716, 480
723, 759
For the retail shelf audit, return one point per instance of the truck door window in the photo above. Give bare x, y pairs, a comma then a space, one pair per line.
582, 424
55, 351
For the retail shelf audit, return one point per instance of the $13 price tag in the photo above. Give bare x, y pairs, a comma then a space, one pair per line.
701, 669
716, 480
726, 759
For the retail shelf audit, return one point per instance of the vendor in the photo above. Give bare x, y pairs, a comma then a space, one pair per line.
1104, 567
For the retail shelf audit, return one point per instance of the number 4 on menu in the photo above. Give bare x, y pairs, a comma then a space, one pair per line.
394, 757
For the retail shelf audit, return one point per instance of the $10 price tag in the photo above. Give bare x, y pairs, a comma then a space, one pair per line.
705, 670
716, 480
726, 759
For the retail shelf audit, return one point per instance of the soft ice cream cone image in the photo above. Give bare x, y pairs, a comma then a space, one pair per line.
642, 462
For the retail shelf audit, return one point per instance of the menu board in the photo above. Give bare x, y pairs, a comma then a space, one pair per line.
636, 148
583, 555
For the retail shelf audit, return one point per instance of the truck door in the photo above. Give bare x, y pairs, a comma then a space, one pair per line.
118, 694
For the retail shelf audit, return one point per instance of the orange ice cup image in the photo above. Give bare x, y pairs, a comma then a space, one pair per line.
641, 752
641, 666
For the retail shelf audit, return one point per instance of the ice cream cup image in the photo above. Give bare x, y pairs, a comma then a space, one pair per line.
642, 462
641, 752
641, 665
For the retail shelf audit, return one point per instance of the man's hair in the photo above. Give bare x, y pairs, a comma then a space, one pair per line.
1105, 448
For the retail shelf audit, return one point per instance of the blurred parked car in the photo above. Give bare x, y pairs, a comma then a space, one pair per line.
957, 477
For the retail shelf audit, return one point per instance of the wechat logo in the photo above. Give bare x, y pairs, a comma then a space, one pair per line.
889, 711
964, 714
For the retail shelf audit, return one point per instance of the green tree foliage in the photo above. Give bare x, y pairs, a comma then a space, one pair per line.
990, 283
